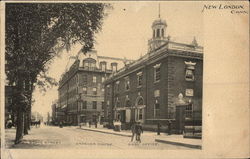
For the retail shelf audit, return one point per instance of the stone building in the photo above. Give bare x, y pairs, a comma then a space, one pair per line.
81, 91
147, 90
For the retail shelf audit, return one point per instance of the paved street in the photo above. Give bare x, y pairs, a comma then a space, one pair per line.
74, 137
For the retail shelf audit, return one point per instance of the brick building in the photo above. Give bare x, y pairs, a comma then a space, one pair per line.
147, 90
81, 91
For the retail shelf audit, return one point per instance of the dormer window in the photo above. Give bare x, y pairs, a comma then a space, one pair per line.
114, 67
103, 66
89, 63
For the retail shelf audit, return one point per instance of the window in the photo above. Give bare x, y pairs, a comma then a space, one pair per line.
102, 89
154, 34
140, 101
107, 103
108, 90
117, 103
189, 92
85, 64
89, 63
94, 104
162, 32
9, 100
92, 65
157, 93
127, 83
84, 105
128, 103
158, 33
117, 86
140, 114
103, 65
114, 66
84, 79
157, 104
139, 79
103, 105
188, 112
103, 79
84, 90
189, 75
157, 72
190, 66
95, 91
94, 79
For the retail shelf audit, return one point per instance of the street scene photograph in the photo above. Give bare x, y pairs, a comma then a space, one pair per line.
103, 75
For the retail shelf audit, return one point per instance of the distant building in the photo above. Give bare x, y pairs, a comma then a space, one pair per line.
54, 114
81, 91
35, 116
147, 90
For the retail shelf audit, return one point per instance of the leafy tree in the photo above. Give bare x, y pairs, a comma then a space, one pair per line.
35, 32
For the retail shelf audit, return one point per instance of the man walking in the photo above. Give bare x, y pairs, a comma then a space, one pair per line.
139, 131
133, 131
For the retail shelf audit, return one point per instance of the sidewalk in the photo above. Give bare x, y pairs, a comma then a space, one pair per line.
179, 141
163, 138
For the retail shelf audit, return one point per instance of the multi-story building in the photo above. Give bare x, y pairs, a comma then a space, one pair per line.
81, 91
57, 114
148, 90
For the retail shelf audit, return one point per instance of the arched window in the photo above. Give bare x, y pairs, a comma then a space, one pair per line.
154, 34
139, 101
128, 103
162, 32
158, 32
89, 63
117, 103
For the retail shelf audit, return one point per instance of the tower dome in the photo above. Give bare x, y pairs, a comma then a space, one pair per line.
159, 33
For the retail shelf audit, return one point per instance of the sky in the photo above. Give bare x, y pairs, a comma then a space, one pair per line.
125, 33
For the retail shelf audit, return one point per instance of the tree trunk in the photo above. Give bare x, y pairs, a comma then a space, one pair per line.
19, 126
29, 117
25, 130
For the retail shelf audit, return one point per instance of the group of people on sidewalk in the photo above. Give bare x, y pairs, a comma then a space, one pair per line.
137, 130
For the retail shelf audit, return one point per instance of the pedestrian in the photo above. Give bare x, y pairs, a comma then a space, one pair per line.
169, 127
139, 131
96, 124
90, 124
133, 131
60, 124
158, 128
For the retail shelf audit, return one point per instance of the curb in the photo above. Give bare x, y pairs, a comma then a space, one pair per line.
113, 133
179, 144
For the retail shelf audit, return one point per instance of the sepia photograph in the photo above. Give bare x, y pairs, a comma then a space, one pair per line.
107, 76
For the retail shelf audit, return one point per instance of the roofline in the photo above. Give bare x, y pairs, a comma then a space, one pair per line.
145, 62
114, 58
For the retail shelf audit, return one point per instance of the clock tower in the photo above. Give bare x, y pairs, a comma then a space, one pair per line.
159, 33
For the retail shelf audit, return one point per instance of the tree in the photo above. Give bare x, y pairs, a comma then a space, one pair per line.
35, 32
